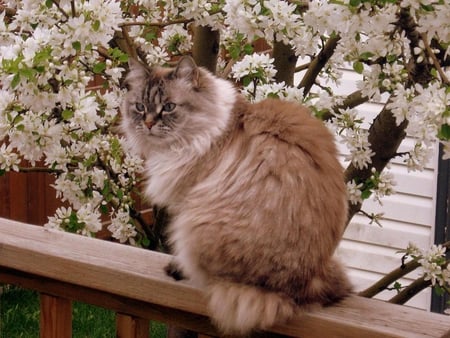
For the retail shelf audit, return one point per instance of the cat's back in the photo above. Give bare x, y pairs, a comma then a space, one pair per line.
292, 124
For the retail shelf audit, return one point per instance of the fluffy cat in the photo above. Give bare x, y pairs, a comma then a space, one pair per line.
255, 193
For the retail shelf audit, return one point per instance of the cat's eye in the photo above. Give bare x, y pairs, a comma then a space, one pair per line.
169, 106
140, 107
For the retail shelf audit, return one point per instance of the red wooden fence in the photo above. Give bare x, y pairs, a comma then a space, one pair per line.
27, 197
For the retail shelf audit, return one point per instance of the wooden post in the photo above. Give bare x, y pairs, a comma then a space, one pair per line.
55, 317
131, 327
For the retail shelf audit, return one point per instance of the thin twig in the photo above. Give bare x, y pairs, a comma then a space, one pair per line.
39, 170
302, 67
62, 11
130, 45
410, 291
227, 70
434, 59
156, 24
72, 7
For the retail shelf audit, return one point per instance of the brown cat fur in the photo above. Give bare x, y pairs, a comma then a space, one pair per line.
255, 193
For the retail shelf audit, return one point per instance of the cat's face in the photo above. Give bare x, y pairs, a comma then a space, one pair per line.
155, 107
174, 108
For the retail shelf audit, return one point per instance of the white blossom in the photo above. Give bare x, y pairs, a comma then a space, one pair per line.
256, 65
121, 227
354, 192
8, 158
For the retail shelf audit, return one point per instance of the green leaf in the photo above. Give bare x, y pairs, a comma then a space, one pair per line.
67, 114
90, 161
444, 132
42, 55
355, 3
150, 36
17, 120
2, 172
117, 54
96, 25
439, 290
99, 67
428, 8
119, 194
49, 3
366, 56
248, 49
391, 58
247, 80
16, 80
365, 194
145, 242
72, 225
358, 67
106, 191
28, 73
234, 52
104, 209
434, 72
76, 45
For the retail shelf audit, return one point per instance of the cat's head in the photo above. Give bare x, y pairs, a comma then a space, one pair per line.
183, 108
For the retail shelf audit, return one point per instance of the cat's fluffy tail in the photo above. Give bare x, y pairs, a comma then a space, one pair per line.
238, 309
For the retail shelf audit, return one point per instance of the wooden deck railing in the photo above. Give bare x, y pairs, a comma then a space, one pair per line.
63, 267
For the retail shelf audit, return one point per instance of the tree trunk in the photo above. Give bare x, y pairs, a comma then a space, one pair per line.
205, 48
285, 61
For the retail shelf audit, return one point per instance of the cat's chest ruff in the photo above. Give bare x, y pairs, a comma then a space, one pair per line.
164, 174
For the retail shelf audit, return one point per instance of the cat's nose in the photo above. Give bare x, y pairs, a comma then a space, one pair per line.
149, 122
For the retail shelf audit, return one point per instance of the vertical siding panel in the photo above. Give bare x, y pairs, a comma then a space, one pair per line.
18, 196
4, 196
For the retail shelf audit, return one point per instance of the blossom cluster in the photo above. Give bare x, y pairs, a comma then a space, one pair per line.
434, 264
53, 114
377, 185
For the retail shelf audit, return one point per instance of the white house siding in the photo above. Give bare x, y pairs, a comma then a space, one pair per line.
370, 251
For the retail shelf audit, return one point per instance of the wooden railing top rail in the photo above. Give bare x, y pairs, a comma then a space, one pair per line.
133, 281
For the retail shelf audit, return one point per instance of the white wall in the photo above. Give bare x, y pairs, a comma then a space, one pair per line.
370, 251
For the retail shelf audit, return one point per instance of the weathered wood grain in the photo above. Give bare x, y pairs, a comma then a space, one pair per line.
121, 274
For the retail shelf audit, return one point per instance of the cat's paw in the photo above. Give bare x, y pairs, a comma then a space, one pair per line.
173, 270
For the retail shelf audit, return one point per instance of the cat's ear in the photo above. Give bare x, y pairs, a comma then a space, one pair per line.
137, 73
137, 66
187, 69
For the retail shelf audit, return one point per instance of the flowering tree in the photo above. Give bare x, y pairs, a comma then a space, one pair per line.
53, 116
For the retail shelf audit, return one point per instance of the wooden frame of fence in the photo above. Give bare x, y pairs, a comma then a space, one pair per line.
131, 281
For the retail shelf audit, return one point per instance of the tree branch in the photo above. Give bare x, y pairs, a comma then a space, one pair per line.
388, 279
351, 101
410, 291
385, 137
317, 64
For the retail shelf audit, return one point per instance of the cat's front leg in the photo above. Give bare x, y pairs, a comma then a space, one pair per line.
174, 270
